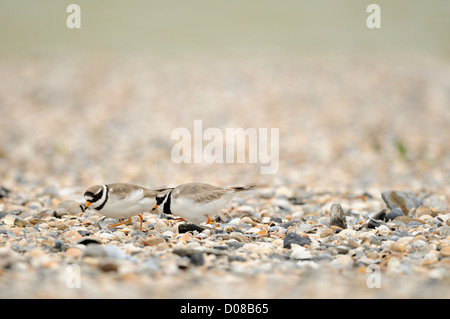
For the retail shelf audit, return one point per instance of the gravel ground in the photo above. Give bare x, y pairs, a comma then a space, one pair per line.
359, 207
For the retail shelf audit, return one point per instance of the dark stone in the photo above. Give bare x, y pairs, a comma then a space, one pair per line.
372, 223
108, 266
221, 247
184, 228
4, 192
323, 256
197, 259
195, 256
59, 245
85, 232
87, 241
290, 223
217, 231
183, 252
294, 238
381, 215
276, 219
236, 258
296, 201
393, 214
235, 244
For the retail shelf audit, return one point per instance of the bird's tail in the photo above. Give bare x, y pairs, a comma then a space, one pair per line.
243, 188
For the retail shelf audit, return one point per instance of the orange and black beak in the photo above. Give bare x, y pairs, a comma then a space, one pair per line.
155, 207
88, 203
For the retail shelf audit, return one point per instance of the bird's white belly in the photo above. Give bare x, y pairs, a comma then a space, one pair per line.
197, 213
125, 209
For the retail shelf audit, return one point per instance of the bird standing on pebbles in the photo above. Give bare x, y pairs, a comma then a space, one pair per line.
196, 202
121, 200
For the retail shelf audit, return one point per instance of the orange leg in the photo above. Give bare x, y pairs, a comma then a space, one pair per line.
141, 219
122, 223
209, 220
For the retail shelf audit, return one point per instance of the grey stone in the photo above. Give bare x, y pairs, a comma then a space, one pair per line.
235, 244
337, 217
393, 214
341, 249
4, 192
413, 224
197, 258
403, 200
294, 238
94, 250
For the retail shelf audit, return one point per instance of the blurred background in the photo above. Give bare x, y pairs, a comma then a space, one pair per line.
357, 108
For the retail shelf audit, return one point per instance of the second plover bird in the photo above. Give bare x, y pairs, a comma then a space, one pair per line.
196, 202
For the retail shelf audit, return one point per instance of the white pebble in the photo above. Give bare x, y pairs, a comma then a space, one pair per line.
107, 236
383, 230
235, 222
168, 233
300, 253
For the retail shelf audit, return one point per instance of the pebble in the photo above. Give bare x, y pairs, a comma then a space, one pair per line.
294, 238
74, 252
183, 228
69, 207
381, 215
108, 267
341, 249
429, 259
154, 241
400, 199
445, 251
300, 253
107, 236
393, 214
414, 223
325, 232
72, 235
94, 250
372, 223
383, 230
344, 262
337, 217
424, 210
406, 220
347, 233
8, 219
398, 247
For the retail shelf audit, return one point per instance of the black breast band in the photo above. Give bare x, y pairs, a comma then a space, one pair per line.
106, 199
166, 209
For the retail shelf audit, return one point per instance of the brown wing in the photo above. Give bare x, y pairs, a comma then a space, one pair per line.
122, 190
199, 192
